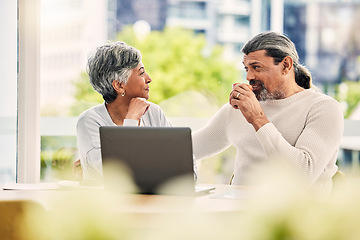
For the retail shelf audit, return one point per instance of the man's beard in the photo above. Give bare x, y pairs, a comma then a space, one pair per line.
262, 94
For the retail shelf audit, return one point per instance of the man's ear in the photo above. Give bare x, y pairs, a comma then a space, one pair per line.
287, 64
118, 86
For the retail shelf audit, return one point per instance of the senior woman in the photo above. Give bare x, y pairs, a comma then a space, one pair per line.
117, 73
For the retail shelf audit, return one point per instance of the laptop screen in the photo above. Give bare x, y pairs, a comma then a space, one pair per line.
158, 157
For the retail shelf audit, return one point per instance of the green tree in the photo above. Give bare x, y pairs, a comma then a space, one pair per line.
177, 61
85, 95
349, 93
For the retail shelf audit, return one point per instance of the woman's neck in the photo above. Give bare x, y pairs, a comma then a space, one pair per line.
117, 111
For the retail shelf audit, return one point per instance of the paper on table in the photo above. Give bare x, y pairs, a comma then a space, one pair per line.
31, 186
66, 184
233, 194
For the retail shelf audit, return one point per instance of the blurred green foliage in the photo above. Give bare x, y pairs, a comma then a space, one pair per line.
57, 162
348, 92
177, 60
85, 95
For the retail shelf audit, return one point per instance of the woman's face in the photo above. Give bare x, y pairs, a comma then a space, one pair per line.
138, 83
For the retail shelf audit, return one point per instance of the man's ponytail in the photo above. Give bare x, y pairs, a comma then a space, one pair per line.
302, 76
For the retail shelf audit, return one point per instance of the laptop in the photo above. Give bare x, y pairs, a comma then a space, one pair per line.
160, 159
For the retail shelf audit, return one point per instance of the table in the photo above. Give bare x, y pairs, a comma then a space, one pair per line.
137, 214
224, 198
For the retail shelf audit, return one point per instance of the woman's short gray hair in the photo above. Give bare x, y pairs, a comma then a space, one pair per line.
278, 47
110, 62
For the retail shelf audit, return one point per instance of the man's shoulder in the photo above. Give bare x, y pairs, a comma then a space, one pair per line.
317, 96
320, 102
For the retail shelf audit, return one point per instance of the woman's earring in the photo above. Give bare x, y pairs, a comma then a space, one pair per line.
123, 93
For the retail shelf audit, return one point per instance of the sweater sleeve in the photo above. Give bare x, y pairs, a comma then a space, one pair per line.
89, 148
212, 138
130, 123
164, 122
315, 147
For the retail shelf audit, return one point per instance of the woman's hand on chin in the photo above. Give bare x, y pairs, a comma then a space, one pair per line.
137, 108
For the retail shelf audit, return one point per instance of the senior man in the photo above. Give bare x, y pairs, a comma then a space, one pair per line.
278, 117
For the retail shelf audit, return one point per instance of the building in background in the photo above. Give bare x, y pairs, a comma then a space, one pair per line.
325, 33
70, 29
226, 22
130, 11
229, 22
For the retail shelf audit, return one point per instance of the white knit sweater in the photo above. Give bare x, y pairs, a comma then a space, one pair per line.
88, 137
305, 129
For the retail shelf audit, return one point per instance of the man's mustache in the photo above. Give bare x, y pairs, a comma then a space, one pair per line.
251, 82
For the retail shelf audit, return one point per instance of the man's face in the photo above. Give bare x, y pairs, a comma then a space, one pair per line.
264, 76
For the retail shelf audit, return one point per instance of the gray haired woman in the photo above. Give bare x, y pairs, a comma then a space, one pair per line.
117, 73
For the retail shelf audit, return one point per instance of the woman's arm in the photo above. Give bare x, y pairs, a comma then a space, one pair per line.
88, 139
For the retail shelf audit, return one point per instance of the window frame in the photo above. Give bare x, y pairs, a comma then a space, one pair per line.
28, 127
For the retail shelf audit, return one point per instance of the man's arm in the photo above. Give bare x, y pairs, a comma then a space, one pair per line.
212, 138
316, 146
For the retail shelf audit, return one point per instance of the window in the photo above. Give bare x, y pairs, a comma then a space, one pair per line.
190, 10
19, 112
8, 91
69, 31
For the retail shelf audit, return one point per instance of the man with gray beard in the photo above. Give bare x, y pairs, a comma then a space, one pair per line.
279, 117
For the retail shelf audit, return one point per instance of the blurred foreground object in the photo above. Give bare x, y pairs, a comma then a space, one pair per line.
12, 214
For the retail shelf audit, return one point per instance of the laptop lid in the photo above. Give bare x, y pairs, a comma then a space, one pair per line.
156, 156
